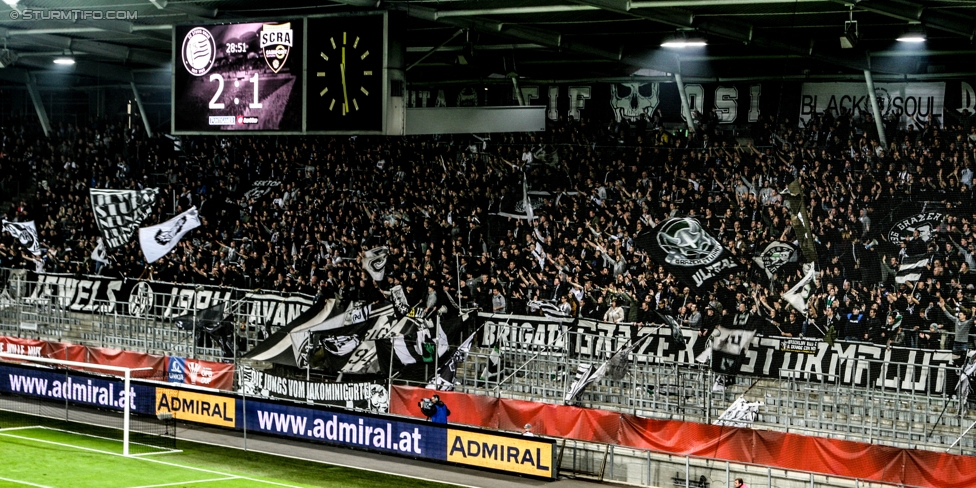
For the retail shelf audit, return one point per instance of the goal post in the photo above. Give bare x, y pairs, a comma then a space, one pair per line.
74, 395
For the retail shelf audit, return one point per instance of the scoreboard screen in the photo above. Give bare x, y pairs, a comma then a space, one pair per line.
238, 77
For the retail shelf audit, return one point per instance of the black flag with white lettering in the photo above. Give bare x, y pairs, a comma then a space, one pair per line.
118, 213
688, 252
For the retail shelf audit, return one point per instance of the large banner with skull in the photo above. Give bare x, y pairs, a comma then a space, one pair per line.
689, 252
732, 103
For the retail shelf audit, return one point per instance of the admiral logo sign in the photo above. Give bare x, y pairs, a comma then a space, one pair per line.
197, 407
276, 43
199, 51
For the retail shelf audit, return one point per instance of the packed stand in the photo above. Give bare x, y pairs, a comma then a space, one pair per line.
433, 201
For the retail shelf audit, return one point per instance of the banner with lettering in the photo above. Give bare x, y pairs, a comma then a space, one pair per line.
905, 100
370, 396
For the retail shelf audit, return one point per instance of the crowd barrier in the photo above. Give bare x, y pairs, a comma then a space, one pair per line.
173, 369
742, 445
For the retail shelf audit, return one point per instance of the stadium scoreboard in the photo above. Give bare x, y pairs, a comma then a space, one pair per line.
301, 75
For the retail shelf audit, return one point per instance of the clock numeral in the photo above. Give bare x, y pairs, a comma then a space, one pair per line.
343, 38
363, 89
364, 55
332, 39
320, 74
355, 103
332, 105
355, 43
367, 73
323, 54
323, 92
220, 89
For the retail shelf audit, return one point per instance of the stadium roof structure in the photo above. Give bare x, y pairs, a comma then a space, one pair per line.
461, 41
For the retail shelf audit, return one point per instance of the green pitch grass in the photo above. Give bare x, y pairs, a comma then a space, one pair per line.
43, 457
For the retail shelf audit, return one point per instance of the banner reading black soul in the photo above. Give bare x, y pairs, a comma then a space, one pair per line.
688, 252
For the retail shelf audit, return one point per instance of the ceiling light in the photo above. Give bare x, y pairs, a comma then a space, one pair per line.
64, 60
913, 34
682, 40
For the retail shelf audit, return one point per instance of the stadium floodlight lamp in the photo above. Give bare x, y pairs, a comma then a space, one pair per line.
682, 40
64, 60
913, 35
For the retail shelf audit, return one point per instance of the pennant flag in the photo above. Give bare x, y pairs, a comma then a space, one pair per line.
964, 385
99, 253
740, 414
585, 375
444, 379
688, 251
118, 213
259, 189
374, 262
673, 324
796, 203
776, 255
549, 308
798, 295
26, 233
619, 364
159, 240
912, 268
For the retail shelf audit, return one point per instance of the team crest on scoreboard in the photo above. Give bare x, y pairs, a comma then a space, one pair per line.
276, 43
199, 51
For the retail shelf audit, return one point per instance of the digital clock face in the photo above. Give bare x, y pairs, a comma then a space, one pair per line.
346, 57
245, 77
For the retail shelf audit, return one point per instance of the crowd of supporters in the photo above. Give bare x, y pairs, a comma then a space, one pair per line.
433, 200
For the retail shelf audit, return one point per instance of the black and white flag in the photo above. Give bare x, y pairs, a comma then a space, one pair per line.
259, 189
444, 379
158, 240
518, 204
688, 251
100, 254
374, 262
343, 325
776, 255
26, 233
727, 349
740, 414
400, 303
585, 374
118, 213
798, 295
912, 268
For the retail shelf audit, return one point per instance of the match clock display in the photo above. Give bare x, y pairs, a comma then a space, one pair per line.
344, 74
238, 77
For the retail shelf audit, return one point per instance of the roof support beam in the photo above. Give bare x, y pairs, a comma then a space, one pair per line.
38, 105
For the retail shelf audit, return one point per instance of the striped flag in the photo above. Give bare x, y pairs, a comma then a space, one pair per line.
912, 267
585, 374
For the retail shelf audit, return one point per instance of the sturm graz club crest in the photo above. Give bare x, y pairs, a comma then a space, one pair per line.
687, 244
776, 255
926, 223
276, 43
199, 51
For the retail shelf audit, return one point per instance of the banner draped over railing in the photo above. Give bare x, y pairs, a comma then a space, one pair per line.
173, 369
782, 450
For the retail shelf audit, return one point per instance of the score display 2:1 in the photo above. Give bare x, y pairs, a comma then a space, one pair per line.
254, 83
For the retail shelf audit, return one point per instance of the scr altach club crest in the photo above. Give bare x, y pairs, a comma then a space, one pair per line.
276, 43
199, 51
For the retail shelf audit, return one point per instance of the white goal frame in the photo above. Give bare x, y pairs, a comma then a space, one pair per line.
127, 377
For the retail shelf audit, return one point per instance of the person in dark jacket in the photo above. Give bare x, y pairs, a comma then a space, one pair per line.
441, 412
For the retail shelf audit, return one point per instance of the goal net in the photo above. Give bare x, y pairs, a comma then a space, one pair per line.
99, 403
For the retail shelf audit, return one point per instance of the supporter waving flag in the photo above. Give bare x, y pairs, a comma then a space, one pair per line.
158, 240
688, 251
912, 268
26, 233
118, 213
